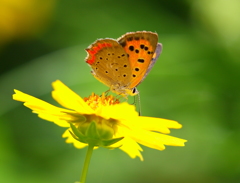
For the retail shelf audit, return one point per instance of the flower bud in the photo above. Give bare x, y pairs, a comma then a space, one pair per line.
98, 132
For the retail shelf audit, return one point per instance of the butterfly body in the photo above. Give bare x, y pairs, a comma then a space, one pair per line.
123, 64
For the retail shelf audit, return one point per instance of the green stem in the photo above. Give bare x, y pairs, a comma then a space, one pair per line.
86, 163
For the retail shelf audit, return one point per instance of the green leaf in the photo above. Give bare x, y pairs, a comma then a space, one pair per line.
110, 142
91, 131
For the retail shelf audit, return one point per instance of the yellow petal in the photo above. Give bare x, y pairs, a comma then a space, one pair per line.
131, 147
151, 139
119, 111
156, 140
43, 109
156, 124
69, 99
56, 119
169, 140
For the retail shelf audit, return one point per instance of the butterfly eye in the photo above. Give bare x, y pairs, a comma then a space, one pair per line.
135, 91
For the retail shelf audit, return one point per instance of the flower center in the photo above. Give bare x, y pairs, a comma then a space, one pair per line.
95, 101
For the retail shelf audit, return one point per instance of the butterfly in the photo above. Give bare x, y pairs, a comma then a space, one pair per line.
124, 63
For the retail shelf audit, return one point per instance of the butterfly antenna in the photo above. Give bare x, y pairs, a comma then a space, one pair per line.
137, 103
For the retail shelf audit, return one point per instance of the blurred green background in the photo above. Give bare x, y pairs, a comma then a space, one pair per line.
195, 81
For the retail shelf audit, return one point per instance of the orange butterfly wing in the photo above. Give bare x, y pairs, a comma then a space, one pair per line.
140, 46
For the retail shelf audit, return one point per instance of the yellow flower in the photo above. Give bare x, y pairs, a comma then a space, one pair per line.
120, 119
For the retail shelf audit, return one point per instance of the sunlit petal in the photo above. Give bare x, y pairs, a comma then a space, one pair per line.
69, 99
132, 148
157, 124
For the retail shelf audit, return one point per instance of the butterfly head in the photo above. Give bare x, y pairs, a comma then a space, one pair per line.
124, 91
